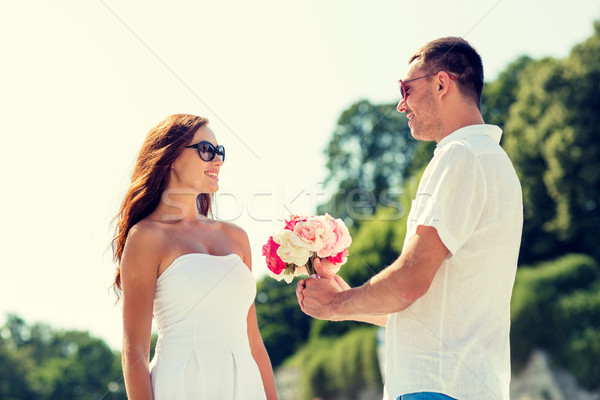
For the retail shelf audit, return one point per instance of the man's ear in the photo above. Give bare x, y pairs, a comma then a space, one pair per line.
443, 83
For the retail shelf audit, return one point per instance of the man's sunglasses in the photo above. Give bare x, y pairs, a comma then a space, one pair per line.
207, 150
401, 83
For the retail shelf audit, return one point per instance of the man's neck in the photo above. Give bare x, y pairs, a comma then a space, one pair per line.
459, 120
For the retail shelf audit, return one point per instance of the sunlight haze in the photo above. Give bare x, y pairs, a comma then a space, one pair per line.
82, 82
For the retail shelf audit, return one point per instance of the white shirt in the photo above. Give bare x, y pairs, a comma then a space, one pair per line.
455, 339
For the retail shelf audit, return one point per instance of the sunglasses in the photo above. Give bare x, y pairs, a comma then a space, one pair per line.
207, 151
401, 83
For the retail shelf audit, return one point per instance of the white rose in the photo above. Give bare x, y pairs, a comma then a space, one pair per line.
290, 248
283, 276
288, 278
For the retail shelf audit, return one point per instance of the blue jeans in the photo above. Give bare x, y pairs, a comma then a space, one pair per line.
425, 396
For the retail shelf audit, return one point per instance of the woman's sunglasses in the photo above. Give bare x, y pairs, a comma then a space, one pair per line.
207, 150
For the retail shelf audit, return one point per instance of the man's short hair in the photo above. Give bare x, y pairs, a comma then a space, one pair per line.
455, 56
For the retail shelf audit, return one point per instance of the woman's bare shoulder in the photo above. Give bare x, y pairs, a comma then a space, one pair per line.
238, 236
145, 240
234, 231
147, 231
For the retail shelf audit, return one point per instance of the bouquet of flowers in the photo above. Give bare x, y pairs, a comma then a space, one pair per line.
291, 251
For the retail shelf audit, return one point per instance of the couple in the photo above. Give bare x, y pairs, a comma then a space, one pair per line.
445, 301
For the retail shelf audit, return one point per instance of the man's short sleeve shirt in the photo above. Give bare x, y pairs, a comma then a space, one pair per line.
455, 339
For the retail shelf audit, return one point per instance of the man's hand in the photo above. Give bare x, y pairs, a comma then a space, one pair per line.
324, 268
316, 296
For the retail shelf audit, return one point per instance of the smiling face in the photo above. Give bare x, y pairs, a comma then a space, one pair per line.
189, 171
420, 104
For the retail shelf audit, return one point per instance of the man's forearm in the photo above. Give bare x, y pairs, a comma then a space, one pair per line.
399, 285
374, 319
369, 302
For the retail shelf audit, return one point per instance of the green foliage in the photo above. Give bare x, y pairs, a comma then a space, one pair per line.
423, 154
501, 93
339, 367
371, 250
551, 136
549, 110
283, 325
375, 245
579, 334
368, 155
13, 367
379, 241
37, 362
556, 305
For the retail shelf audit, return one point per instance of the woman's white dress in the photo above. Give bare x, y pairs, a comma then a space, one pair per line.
200, 304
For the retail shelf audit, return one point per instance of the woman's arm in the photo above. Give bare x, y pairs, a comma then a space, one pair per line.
259, 352
139, 268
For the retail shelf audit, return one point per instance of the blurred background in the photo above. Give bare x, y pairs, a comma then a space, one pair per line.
303, 97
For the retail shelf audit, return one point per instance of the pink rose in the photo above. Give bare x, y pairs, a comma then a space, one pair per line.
291, 223
274, 263
340, 258
290, 251
328, 237
342, 235
308, 233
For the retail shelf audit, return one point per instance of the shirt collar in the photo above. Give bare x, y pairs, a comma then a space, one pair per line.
491, 131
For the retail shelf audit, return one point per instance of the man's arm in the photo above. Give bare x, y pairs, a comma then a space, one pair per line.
339, 285
393, 289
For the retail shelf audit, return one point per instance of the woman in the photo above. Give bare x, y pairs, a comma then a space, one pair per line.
190, 271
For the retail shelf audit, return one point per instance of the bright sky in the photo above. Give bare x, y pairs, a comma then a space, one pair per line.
82, 82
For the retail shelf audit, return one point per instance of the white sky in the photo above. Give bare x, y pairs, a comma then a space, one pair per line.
82, 82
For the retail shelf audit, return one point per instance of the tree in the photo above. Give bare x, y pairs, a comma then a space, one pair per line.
368, 155
551, 136
376, 244
40, 363
283, 325
555, 306
339, 367
13, 367
549, 110
501, 93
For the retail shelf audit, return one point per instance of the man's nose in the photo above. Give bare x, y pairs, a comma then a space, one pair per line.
401, 107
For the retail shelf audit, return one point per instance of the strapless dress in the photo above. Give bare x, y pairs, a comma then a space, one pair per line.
201, 303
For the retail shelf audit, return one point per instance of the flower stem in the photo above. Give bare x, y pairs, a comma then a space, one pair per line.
310, 269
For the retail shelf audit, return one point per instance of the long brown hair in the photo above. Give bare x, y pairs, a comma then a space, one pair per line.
150, 177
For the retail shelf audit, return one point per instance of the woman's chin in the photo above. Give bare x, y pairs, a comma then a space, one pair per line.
210, 189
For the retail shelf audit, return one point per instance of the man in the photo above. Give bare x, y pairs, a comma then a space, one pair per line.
446, 300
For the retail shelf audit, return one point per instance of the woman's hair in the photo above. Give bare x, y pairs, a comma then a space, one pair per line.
150, 177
